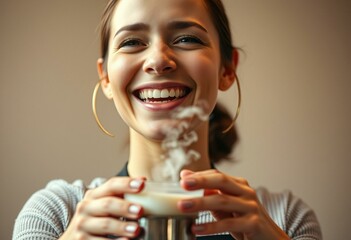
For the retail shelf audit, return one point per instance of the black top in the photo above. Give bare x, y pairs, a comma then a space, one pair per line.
124, 173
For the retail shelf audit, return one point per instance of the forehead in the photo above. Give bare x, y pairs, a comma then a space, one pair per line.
157, 12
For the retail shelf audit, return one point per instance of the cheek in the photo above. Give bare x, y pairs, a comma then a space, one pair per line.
120, 72
205, 72
205, 64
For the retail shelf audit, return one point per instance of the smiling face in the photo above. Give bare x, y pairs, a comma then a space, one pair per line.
163, 54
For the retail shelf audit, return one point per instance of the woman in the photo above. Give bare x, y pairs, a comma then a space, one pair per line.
159, 56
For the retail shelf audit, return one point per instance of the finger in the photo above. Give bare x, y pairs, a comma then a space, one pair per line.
242, 180
208, 192
205, 172
213, 179
110, 226
232, 225
110, 206
185, 172
214, 171
85, 235
116, 187
218, 202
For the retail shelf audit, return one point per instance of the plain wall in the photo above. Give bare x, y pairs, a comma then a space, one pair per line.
294, 122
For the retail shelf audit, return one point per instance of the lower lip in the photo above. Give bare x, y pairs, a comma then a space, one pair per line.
160, 198
161, 106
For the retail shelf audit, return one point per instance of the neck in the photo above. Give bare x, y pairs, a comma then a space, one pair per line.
145, 153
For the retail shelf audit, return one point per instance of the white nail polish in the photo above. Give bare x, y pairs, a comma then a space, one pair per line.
131, 228
135, 183
134, 209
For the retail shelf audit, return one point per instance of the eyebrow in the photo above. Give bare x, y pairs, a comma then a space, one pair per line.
177, 25
186, 24
133, 27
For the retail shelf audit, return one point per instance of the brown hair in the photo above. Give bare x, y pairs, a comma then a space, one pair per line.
220, 144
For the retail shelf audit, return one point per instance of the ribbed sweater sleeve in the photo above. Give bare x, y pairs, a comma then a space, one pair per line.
291, 214
47, 213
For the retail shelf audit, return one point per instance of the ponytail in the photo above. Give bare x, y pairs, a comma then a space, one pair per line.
221, 144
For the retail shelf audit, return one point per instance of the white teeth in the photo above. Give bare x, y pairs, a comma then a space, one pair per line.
161, 93
177, 93
156, 93
149, 94
172, 93
165, 93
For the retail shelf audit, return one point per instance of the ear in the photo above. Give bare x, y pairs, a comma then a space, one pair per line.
105, 82
228, 72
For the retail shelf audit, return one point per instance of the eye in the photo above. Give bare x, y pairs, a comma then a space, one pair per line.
132, 43
188, 40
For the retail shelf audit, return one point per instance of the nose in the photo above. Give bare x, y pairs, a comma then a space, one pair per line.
159, 60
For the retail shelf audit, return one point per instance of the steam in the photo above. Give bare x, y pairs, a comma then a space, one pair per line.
175, 144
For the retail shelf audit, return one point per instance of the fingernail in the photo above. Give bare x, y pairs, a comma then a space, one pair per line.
190, 182
135, 183
187, 204
131, 228
134, 209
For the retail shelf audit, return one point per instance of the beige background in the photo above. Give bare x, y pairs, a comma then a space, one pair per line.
294, 124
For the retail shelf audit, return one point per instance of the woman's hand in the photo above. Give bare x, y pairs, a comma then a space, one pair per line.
233, 203
103, 209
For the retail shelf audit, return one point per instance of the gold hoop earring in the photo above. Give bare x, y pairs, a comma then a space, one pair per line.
94, 109
237, 108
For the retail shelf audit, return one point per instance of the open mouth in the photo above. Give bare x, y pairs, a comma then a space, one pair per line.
161, 95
